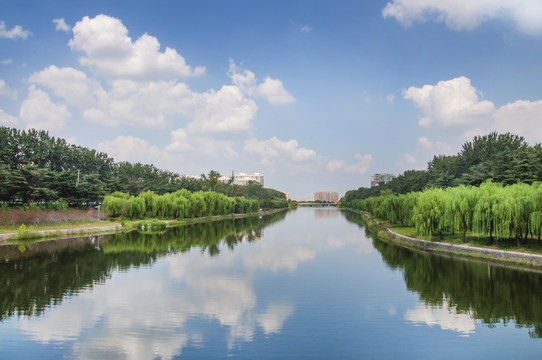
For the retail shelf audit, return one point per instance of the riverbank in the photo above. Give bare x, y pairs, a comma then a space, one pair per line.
93, 229
453, 249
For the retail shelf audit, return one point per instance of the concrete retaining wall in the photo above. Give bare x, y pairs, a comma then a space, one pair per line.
501, 255
451, 248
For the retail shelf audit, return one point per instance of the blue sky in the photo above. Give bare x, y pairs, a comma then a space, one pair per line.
318, 95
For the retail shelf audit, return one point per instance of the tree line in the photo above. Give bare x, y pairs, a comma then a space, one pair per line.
494, 210
178, 205
36, 168
504, 158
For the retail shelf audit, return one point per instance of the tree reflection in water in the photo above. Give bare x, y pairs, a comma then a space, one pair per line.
37, 276
491, 293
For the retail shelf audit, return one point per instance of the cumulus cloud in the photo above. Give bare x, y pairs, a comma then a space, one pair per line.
364, 162
6, 61
111, 51
38, 111
450, 103
439, 146
7, 120
522, 118
271, 89
5, 90
16, 32
225, 110
60, 25
274, 92
274, 150
140, 88
467, 14
133, 149
74, 86
455, 105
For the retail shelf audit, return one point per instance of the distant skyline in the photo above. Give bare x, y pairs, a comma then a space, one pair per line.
317, 95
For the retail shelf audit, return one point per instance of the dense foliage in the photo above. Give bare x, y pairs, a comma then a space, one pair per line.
494, 210
36, 168
178, 205
504, 158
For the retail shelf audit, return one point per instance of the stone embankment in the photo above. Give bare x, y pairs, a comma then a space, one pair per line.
466, 250
469, 250
111, 229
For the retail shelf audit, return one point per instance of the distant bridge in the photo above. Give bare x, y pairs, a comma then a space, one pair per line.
310, 204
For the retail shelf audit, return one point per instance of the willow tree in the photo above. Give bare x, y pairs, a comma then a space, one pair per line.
428, 214
459, 206
535, 218
483, 216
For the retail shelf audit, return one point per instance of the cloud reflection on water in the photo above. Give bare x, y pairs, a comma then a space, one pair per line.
444, 316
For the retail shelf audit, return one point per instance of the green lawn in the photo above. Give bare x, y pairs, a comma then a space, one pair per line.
532, 245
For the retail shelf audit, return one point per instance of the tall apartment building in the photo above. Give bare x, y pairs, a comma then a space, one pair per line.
327, 196
378, 179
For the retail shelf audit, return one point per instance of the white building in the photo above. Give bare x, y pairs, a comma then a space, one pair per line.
243, 178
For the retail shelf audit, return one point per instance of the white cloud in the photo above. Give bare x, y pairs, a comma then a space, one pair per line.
133, 149
409, 159
226, 110
5, 90
440, 146
274, 150
467, 14
6, 61
16, 32
454, 105
364, 162
38, 111
522, 118
450, 103
7, 120
60, 25
306, 29
110, 50
242, 78
74, 86
180, 141
390, 98
271, 89
274, 92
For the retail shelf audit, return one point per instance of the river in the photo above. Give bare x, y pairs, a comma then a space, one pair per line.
309, 283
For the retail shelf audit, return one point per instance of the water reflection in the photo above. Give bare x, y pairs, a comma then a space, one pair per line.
457, 293
326, 213
42, 274
445, 316
137, 314
311, 288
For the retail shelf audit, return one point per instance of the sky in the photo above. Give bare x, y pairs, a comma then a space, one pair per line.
317, 95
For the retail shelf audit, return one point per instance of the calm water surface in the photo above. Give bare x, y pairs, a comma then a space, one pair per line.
311, 283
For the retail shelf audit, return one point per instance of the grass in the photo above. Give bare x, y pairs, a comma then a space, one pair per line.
25, 236
532, 246
59, 226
